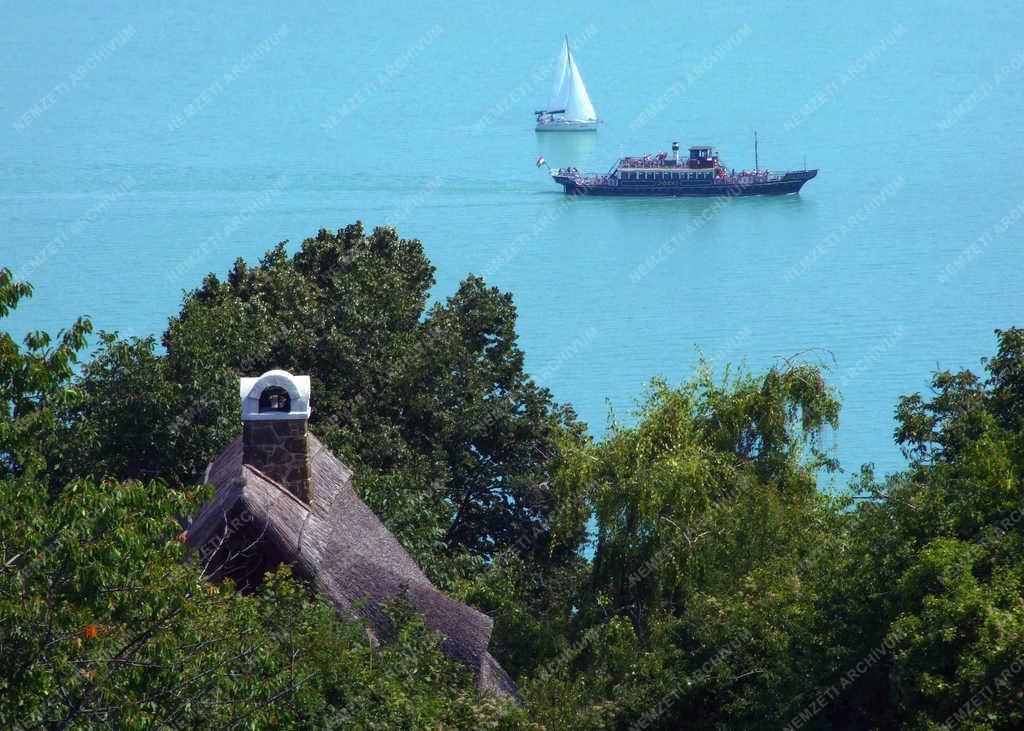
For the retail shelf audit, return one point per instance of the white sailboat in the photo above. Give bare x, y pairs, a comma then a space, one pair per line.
569, 108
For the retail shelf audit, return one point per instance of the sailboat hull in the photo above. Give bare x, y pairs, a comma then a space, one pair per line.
566, 125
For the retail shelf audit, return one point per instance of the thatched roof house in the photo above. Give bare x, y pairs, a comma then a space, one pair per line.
281, 496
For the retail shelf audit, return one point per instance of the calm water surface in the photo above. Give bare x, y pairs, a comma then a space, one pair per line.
435, 134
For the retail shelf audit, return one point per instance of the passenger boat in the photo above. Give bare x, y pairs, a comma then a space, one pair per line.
702, 174
569, 108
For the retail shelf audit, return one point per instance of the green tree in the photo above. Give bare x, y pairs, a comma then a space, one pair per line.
725, 591
661, 488
707, 515
104, 623
123, 421
943, 549
33, 386
421, 402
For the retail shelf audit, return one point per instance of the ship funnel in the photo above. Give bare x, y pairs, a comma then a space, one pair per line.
675, 152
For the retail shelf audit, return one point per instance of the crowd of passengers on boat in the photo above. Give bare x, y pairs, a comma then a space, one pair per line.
661, 160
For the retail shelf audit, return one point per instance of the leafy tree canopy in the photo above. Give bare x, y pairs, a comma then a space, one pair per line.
725, 590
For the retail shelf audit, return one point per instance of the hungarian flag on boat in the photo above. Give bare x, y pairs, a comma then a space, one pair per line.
540, 161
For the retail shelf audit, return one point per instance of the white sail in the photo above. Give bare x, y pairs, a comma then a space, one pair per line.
569, 92
559, 91
577, 104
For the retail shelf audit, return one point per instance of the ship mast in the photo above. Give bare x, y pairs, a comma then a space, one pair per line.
756, 168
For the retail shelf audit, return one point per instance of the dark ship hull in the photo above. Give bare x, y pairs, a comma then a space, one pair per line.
790, 182
701, 175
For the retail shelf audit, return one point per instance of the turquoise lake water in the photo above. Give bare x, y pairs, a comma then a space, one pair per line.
144, 147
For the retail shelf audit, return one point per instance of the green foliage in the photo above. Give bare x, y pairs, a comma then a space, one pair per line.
419, 401
725, 590
103, 624
728, 593
33, 385
947, 540
701, 460
706, 514
122, 422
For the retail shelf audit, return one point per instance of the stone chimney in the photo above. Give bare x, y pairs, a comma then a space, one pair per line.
275, 437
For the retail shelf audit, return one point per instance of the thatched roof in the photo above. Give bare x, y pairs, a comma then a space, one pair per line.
253, 523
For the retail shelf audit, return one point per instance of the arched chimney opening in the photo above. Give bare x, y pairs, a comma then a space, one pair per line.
274, 398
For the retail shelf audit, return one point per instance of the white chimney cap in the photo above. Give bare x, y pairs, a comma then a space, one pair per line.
288, 397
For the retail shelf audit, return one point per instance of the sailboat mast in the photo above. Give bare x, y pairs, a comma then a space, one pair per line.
756, 168
568, 52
